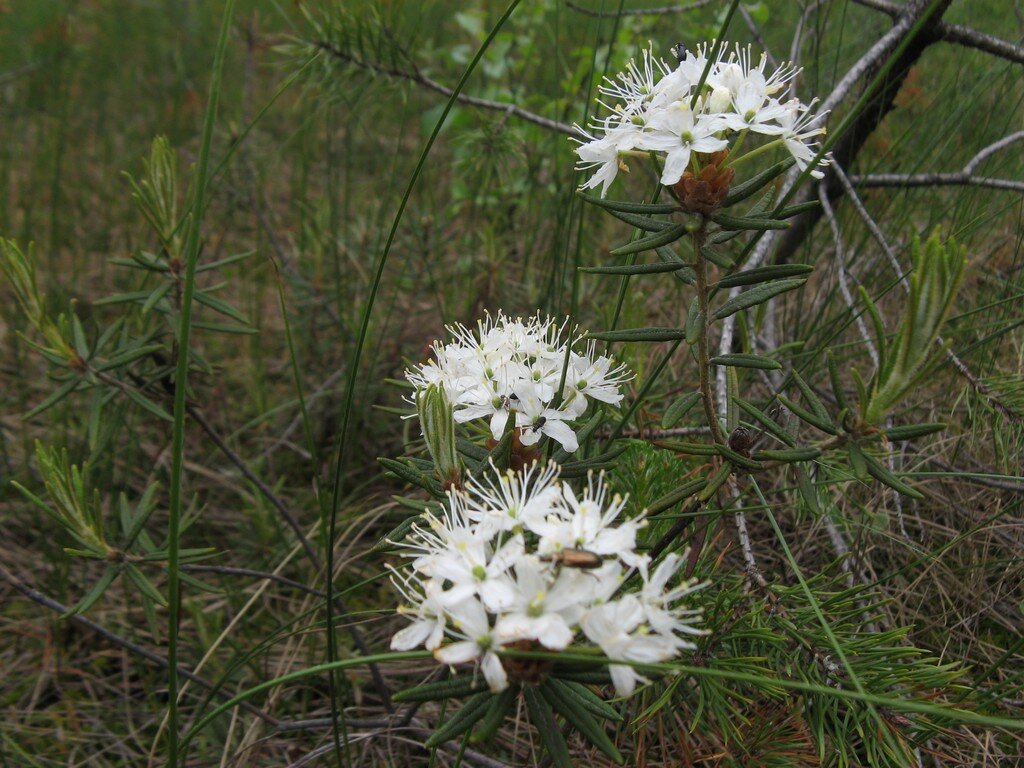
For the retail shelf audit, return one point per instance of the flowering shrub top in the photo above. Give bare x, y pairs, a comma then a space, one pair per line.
518, 559
653, 110
513, 367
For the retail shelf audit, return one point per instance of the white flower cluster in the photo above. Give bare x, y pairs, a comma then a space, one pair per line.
502, 565
514, 367
655, 113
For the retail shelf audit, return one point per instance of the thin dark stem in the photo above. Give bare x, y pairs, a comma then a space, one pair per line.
421, 79
133, 648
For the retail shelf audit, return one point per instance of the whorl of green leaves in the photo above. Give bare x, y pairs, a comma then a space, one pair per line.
938, 270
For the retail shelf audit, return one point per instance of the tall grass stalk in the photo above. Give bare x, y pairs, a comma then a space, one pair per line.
180, 387
353, 372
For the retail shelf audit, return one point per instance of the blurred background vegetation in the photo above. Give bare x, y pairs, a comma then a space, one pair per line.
311, 189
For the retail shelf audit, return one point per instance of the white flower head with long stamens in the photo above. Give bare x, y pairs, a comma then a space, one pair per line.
531, 373
523, 558
715, 96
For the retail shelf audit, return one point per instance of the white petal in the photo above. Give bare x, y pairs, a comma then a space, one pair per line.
675, 165
412, 635
458, 653
561, 432
624, 679
494, 673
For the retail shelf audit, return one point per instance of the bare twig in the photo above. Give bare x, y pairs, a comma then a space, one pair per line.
665, 10
232, 571
956, 33
293, 523
841, 273
955, 179
121, 642
421, 79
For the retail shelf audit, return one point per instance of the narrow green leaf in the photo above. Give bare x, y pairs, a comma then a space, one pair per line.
456, 687
794, 210
633, 269
732, 390
55, 397
94, 594
461, 721
812, 399
912, 431
127, 356
146, 404
620, 206
882, 474
734, 223
123, 298
640, 334
589, 700
224, 262
643, 223
395, 535
752, 185
471, 450
685, 272
145, 586
685, 446
716, 481
584, 434
695, 321
413, 476
579, 718
225, 327
763, 274
221, 306
652, 241
737, 459
858, 460
878, 325
497, 710
673, 497
766, 422
837, 382
791, 455
757, 295
807, 490
717, 257
747, 361
585, 464
143, 511
156, 295
678, 409
586, 676
804, 415
549, 732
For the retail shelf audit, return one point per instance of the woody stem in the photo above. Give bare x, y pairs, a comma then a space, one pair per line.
703, 356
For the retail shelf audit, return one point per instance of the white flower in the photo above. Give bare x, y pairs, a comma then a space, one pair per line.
471, 624
678, 132
586, 523
510, 369
510, 500
493, 569
541, 597
660, 604
616, 628
797, 123
653, 107
535, 418
429, 623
